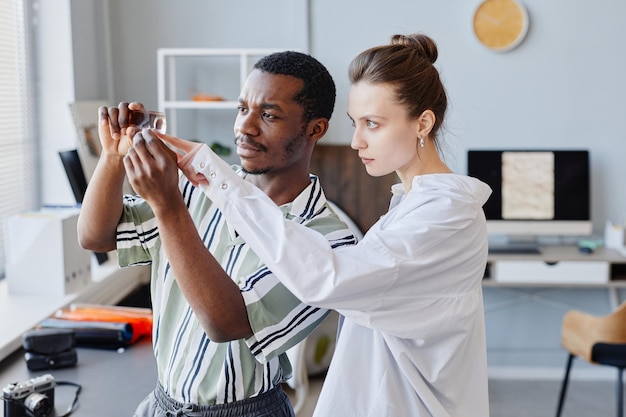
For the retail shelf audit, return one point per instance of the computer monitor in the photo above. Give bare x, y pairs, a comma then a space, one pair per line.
536, 193
78, 181
75, 173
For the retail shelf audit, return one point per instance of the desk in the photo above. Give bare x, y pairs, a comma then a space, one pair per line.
113, 383
524, 319
563, 258
563, 262
19, 313
558, 253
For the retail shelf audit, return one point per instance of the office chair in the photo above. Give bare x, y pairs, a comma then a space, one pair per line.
598, 340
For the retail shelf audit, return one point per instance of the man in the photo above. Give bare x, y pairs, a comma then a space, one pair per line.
220, 333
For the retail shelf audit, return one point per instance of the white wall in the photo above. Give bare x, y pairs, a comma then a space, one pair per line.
55, 90
563, 87
139, 27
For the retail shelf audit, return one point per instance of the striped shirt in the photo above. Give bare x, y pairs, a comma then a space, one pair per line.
192, 368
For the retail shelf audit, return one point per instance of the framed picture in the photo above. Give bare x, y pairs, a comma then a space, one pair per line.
85, 116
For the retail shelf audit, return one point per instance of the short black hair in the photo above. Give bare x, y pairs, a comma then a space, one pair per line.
317, 96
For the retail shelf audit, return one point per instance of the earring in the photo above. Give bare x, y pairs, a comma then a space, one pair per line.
421, 142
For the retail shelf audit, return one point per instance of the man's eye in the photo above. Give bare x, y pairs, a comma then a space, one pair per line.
269, 116
371, 125
241, 109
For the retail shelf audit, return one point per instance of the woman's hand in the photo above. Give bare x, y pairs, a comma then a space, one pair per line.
185, 151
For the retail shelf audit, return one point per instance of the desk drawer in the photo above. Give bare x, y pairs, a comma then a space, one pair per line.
540, 272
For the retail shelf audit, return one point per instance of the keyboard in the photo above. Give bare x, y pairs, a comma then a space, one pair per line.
515, 249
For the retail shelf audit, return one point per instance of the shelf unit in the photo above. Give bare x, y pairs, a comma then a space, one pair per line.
173, 75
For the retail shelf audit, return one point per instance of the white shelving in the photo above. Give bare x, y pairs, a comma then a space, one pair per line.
215, 67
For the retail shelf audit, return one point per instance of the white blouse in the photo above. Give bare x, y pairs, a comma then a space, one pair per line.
413, 338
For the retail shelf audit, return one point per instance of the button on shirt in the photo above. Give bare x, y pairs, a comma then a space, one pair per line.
192, 368
413, 338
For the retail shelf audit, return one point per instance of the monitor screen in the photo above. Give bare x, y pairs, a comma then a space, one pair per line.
535, 192
78, 182
75, 174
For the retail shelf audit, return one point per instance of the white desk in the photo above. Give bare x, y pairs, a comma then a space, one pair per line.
550, 253
21, 313
524, 318
563, 258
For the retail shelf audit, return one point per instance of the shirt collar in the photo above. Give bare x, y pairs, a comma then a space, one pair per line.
306, 205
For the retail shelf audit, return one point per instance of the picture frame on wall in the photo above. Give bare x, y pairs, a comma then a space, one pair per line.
85, 117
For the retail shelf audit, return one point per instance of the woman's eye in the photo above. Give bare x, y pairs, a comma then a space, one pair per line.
371, 125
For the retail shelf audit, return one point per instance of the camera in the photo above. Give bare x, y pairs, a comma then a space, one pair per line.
150, 119
34, 397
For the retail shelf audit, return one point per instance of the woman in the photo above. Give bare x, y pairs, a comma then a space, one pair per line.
413, 338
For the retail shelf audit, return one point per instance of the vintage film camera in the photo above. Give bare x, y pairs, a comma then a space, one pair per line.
34, 397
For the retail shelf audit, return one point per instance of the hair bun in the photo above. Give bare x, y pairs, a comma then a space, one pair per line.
421, 43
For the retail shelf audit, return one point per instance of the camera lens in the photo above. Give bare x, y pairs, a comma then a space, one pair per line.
39, 404
158, 122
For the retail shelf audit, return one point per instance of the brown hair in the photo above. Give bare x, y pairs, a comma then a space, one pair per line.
406, 63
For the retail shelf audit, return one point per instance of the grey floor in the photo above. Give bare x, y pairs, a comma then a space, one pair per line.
540, 398
529, 398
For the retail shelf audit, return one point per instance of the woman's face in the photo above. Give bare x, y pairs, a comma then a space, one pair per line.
384, 135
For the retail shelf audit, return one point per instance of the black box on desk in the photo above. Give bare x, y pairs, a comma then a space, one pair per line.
49, 349
43, 255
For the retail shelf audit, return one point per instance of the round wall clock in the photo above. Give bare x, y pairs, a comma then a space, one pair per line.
500, 25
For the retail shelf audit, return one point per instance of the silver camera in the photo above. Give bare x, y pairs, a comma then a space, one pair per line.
34, 397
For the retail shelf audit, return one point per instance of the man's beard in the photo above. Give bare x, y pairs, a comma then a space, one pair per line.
256, 171
294, 144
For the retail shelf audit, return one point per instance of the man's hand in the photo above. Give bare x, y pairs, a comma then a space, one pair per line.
115, 131
152, 170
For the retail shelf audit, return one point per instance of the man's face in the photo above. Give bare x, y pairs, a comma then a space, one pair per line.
269, 131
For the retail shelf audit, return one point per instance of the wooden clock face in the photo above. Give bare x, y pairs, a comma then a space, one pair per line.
500, 25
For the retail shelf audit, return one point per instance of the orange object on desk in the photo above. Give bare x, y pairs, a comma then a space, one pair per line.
139, 318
